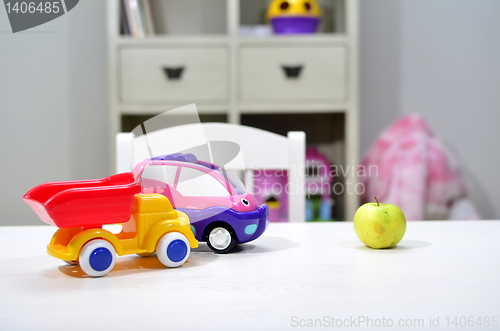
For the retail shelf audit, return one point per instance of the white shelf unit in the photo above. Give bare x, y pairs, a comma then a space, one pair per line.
239, 79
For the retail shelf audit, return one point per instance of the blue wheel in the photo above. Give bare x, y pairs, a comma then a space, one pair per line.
97, 258
173, 249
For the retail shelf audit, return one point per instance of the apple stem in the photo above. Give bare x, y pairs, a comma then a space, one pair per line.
377, 201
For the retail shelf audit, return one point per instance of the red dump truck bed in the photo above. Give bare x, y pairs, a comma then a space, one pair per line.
84, 203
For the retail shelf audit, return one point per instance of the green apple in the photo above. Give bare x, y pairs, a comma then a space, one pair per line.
379, 225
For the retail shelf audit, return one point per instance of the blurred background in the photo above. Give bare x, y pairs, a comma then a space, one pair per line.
67, 86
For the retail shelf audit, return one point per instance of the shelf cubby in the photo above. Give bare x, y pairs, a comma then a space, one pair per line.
130, 122
325, 131
253, 13
189, 17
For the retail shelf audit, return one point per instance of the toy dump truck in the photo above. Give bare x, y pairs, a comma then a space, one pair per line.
81, 208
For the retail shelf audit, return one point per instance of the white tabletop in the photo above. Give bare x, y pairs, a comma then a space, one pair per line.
293, 275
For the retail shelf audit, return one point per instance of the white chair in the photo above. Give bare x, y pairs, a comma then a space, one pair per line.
259, 150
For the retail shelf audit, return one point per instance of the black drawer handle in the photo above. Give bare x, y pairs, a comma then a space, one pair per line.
292, 71
173, 73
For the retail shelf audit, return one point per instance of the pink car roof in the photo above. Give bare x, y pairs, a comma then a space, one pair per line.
139, 169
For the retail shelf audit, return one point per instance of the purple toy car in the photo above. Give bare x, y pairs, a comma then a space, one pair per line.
221, 211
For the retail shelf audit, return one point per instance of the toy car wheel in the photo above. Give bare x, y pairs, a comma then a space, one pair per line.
97, 258
71, 262
221, 239
173, 249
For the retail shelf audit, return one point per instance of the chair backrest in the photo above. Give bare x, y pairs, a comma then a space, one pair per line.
259, 150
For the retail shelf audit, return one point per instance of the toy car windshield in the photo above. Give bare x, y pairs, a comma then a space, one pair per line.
234, 181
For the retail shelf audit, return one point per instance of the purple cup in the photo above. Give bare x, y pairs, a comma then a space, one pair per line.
294, 24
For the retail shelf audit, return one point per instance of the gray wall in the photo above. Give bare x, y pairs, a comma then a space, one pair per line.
53, 106
379, 67
440, 59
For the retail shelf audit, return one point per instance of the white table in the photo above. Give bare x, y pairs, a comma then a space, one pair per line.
292, 274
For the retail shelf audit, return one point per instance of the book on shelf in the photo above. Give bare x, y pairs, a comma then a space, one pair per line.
148, 17
124, 24
137, 18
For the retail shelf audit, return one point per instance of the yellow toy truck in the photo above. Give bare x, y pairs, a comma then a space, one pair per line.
80, 208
